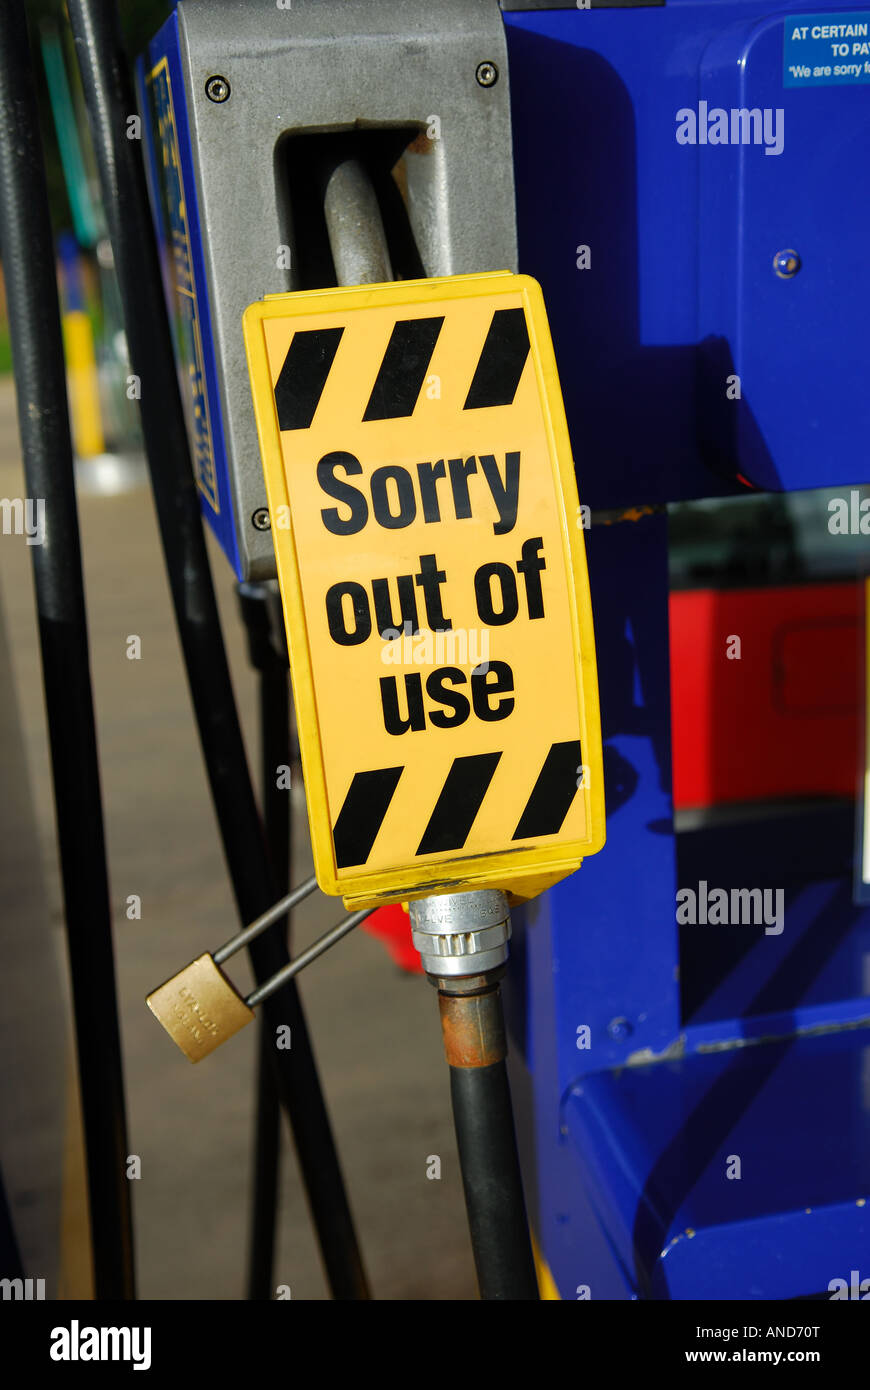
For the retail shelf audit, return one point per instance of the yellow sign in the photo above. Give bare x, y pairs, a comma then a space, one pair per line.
430, 555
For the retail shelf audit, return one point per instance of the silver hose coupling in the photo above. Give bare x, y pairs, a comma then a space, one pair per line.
461, 933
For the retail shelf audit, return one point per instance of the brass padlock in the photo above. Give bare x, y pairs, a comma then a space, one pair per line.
199, 1008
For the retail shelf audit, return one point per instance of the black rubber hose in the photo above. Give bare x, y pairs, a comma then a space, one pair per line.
267, 1171
31, 290
109, 99
492, 1182
275, 750
273, 684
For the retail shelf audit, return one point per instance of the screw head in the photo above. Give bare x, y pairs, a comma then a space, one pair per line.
619, 1029
786, 264
261, 520
487, 74
217, 88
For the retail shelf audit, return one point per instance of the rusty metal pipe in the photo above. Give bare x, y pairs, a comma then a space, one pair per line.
473, 1028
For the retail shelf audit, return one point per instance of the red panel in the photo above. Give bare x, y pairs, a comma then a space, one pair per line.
392, 926
782, 719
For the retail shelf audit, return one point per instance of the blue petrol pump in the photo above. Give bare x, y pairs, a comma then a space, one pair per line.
688, 192
694, 1096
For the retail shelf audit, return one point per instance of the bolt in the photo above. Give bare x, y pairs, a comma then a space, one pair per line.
487, 74
786, 264
619, 1029
261, 520
217, 88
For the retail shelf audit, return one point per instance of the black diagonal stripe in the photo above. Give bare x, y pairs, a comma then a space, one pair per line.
553, 792
403, 369
302, 378
360, 817
498, 372
458, 803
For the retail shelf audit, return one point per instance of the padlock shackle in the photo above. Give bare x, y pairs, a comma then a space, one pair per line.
316, 949
260, 924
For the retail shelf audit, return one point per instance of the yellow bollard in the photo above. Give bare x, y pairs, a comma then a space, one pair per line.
82, 385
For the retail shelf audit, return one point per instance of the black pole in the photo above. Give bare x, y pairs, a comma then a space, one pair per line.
109, 99
31, 289
273, 688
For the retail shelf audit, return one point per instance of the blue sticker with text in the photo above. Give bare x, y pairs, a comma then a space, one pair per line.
826, 50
